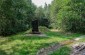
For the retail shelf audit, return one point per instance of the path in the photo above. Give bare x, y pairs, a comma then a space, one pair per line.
50, 49
78, 48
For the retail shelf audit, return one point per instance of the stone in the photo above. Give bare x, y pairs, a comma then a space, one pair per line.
35, 29
78, 49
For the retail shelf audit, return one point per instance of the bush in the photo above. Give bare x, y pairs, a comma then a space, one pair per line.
43, 29
69, 15
15, 15
71, 21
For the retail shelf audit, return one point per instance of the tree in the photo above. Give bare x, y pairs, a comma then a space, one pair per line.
69, 15
42, 14
14, 16
54, 10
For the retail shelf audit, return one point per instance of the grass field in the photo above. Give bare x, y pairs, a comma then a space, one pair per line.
62, 51
20, 44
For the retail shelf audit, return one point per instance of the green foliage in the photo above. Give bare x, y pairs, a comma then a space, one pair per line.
15, 16
69, 15
54, 10
42, 14
43, 29
62, 51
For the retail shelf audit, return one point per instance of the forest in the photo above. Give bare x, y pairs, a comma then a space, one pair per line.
61, 25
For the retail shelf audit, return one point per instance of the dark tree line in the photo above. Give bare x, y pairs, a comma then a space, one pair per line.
15, 15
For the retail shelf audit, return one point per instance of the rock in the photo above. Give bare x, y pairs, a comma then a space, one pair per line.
78, 49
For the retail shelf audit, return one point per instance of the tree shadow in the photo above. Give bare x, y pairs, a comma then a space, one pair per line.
27, 37
64, 35
2, 52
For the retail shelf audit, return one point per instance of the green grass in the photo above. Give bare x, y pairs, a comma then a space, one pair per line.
62, 51
20, 44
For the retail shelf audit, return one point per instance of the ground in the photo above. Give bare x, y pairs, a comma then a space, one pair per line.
20, 44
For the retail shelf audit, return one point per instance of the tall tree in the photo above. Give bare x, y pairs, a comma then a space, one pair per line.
15, 16
70, 14
54, 10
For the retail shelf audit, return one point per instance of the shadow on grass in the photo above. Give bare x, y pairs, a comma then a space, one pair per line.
2, 52
63, 35
21, 37
50, 34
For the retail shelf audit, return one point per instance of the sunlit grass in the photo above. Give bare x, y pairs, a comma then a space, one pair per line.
20, 44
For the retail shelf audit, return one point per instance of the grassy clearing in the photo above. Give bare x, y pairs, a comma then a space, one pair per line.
20, 44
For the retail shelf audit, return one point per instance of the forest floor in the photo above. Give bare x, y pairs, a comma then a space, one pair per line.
22, 44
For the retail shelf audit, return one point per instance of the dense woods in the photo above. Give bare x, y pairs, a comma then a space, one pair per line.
42, 14
16, 15
68, 15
